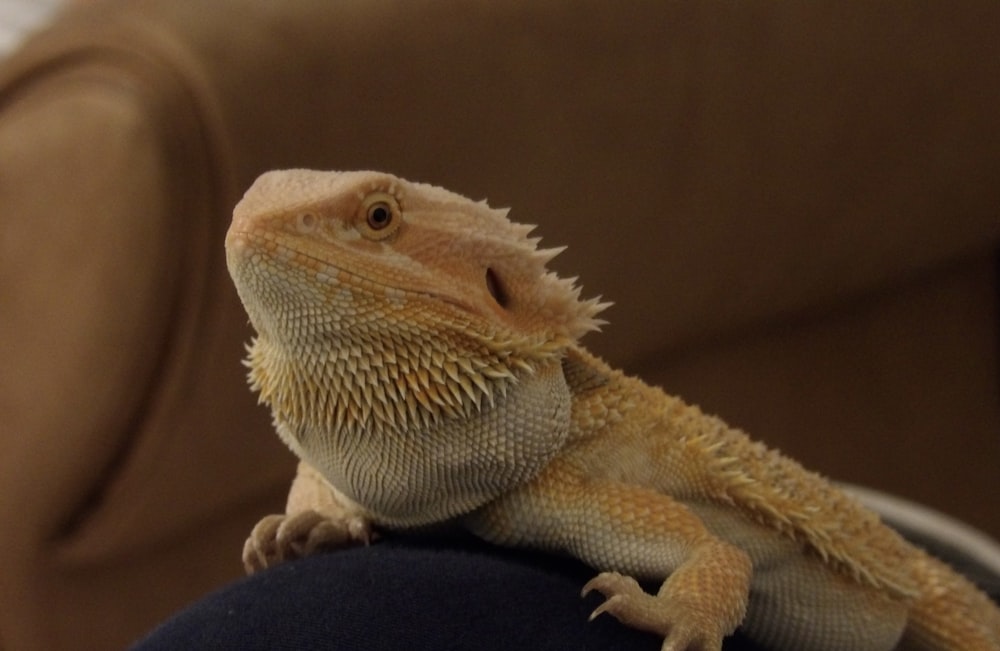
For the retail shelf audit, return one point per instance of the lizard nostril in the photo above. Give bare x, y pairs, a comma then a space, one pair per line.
496, 289
306, 222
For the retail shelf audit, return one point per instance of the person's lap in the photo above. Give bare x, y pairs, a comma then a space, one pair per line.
406, 595
416, 594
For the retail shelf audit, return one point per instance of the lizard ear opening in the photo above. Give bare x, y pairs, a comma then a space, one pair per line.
496, 289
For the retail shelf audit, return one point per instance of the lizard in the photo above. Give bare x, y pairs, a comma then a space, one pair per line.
424, 364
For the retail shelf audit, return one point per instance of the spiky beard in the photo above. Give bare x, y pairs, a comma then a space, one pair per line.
395, 379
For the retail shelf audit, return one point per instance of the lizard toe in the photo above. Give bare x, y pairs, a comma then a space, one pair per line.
612, 583
259, 550
627, 602
308, 532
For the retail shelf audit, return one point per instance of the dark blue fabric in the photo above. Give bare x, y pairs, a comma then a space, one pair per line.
405, 595
417, 594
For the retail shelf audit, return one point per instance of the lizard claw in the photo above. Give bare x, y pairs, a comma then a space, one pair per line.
277, 538
609, 606
611, 582
618, 590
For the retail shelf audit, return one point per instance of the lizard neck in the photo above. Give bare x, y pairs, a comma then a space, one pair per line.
399, 447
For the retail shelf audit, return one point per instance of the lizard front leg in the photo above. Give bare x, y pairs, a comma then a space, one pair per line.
316, 517
631, 531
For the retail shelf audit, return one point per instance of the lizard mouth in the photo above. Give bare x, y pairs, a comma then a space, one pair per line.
251, 242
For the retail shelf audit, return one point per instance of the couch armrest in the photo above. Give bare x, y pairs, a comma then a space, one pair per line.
126, 417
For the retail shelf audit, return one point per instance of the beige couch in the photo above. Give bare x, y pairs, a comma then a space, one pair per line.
794, 206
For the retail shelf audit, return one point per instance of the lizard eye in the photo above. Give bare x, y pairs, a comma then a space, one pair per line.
380, 216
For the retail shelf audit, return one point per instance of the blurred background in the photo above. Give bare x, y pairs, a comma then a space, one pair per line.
794, 207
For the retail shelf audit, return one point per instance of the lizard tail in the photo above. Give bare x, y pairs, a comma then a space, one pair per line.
950, 614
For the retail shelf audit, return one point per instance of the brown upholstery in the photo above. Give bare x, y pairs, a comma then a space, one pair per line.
794, 206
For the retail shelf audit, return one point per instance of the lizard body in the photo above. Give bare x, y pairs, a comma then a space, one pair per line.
425, 366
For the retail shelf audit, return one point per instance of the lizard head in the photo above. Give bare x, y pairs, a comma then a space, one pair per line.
412, 244
345, 260
384, 306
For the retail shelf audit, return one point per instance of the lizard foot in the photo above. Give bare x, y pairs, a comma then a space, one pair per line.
277, 538
683, 627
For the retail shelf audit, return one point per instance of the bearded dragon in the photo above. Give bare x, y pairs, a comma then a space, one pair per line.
424, 365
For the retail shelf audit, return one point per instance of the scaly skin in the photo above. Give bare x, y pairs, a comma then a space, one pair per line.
425, 367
